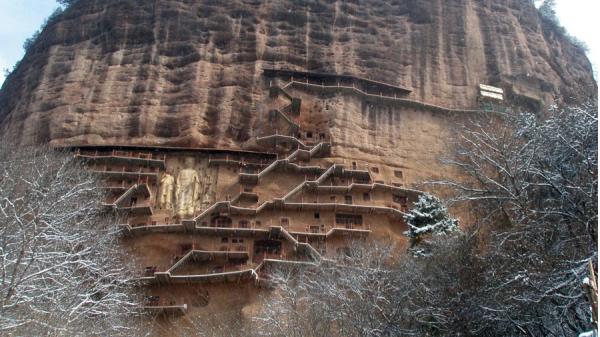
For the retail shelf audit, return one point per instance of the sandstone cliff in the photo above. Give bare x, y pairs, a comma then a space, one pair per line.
189, 72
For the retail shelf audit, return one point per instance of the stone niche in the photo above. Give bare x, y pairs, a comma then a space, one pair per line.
186, 186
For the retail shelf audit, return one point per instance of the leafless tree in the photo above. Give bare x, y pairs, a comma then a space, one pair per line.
193, 324
534, 183
363, 293
516, 272
62, 271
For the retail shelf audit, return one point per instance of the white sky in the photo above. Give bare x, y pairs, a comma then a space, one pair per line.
20, 18
581, 17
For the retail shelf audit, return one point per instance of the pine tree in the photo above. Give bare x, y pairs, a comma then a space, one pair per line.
548, 10
428, 216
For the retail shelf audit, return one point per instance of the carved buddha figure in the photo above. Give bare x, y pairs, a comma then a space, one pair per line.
206, 199
187, 189
165, 196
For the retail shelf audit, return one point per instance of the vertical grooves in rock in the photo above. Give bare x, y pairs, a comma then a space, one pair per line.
170, 72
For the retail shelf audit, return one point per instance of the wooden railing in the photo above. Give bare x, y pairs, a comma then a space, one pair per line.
121, 154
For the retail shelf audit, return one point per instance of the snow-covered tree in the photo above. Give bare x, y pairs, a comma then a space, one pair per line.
377, 291
428, 216
548, 10
62, 269
66, 3
533, 186
360, 295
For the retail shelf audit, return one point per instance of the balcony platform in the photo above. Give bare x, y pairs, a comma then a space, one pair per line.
122, 158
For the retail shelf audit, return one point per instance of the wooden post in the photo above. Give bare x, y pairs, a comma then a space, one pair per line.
591, 290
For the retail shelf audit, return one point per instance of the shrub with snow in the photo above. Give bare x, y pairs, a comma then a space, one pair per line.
429, 216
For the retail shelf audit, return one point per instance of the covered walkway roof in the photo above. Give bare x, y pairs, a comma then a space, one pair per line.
330, 78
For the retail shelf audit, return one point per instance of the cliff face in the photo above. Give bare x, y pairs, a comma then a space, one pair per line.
330, 162
189, 72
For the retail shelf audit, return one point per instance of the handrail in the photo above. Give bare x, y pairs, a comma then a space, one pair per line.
285, 138
283, 111
393, 98
124, 195
285, 161
265, 204
139, 172
123, 155
190, 254
132, 189
272, 72
287, 119
335, 228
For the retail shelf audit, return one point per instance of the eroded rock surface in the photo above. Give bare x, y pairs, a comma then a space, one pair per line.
189, 72
123, 79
